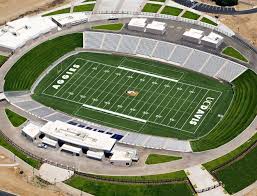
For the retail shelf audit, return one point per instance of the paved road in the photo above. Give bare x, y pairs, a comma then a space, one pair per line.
215, 9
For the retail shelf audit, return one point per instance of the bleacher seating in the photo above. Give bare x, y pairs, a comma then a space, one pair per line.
128, 44
146, 46
183, 56
163, 50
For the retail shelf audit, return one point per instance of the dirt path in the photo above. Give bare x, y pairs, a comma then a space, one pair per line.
11, 9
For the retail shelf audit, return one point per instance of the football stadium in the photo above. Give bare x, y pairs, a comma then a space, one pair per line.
128, 98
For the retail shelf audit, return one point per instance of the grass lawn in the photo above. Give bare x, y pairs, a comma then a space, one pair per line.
190, 15
232, 52
241, 113
84, 8
178, 175
171, 11
158, 0
239, 174
2, 60
111, 27
208, 21
104, 85
79, 8
157, 158
100, 188
88, 1
33, 162
153, 8
212, 165
14, 118
62, 11
28, 68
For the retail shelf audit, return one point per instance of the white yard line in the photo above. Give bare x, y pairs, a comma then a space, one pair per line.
115, 113
193, 101
153, 93
196, 108
179, 109
148, 74
174, 104
119, 90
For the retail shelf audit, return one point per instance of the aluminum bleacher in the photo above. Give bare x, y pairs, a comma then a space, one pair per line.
163, 50
196, 60
128, 44
213, 65
183, 56
146, 46
111, 42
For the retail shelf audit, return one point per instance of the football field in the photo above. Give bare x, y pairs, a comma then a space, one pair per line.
137, 96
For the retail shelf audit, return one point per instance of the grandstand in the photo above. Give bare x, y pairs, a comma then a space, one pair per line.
183, 56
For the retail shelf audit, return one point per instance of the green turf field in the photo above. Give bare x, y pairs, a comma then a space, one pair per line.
135, 95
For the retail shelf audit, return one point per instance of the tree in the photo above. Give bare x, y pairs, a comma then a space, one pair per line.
226, 2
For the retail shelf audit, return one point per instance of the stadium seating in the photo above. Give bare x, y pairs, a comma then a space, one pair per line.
163, 50
146, 46
128, 44
189, 58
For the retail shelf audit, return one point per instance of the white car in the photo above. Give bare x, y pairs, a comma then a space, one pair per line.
42, 146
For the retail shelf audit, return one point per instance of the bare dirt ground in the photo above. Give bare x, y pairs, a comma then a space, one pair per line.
11, 9
11, 180
245, 25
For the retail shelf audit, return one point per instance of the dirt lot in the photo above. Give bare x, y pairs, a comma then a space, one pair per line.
13, 181
10, 9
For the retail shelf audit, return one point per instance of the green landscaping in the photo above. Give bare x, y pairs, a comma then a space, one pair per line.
191, 15
33, 162
14, 118
174, 11
158, 0
239, 174
28, 68
2, 60
241, 113
79, 8
153, 8
208, 21
158, 158
111, 27
214, 164
232, 52
100, 188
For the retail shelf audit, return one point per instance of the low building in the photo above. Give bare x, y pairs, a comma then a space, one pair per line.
31, 131
69, 20
137, 24
193, 35
122, 156
71, 149
2, 97
65, 133
156, 27
95, 155
18, 33
50, 142
213, 40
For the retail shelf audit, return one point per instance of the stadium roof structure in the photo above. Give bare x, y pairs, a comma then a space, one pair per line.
70, 18
194, 33
213, 38
78, 136
15, 34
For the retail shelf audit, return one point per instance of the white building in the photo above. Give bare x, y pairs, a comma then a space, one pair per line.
137, 24
31, 131
70, 19
16, 34
50, 142
95, 155
122, 156
156, 27
193, 35
71, 149
213, 40
78, 137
